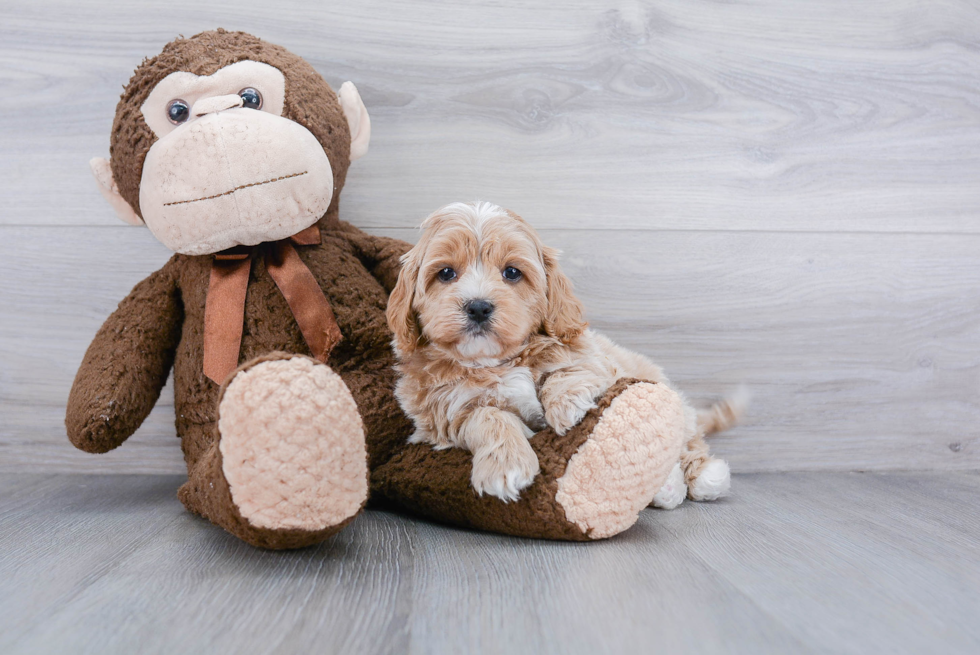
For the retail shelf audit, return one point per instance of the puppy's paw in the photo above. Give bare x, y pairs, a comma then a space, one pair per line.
535, 423
673, 492
566, 410
712, 482
422, 436
505, 469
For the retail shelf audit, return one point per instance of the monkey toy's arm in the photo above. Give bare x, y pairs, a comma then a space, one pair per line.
126, 365
382, 256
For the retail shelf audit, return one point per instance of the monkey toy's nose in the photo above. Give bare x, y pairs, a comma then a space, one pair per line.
215, 104
478, 311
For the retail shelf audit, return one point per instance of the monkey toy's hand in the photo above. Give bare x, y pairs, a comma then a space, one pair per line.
126, 365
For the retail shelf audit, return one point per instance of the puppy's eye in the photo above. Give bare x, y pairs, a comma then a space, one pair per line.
178, 111
446, 275
251, 98
511, 274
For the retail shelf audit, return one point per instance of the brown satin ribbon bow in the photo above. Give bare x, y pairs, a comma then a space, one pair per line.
224, 310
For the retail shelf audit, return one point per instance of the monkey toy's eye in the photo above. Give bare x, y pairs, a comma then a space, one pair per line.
251, 98
178, 111
511, 274
446, 275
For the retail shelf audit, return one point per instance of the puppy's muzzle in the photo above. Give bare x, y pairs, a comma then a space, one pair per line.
478, 312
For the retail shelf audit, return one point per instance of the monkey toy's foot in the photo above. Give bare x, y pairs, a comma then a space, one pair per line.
289, 467
625, 461
594, 480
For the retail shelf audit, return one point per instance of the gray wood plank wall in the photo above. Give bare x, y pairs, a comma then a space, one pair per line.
781, 193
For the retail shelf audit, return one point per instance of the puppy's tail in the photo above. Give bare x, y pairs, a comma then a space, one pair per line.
724, 414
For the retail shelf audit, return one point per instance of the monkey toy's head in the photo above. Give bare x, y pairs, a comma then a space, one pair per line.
224, 140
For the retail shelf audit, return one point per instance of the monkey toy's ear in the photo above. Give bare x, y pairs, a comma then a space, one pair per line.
103, 176
357, 119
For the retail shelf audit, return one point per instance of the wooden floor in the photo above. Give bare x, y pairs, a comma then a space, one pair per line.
791, 563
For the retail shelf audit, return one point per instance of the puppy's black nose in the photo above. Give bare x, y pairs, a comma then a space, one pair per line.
478, 311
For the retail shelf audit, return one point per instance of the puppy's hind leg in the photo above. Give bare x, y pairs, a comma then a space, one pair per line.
673, 492
707, 477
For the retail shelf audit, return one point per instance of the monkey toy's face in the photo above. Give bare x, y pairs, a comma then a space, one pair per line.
227, 168
226, 158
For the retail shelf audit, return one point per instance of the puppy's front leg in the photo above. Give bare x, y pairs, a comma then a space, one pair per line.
568, 394
503, 461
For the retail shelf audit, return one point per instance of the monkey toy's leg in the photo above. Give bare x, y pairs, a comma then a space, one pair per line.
594, 480
289, 466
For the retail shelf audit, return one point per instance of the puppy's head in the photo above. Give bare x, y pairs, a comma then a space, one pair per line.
478, 284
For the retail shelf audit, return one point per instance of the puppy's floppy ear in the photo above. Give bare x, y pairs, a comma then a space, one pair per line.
400, 315
565, 318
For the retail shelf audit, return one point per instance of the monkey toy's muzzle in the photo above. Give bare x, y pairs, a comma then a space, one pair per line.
234, 177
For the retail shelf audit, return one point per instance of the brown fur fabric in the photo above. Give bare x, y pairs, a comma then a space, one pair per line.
436, 483
160, 326
161, 323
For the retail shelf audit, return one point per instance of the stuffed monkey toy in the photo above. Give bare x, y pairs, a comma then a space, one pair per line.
271, 314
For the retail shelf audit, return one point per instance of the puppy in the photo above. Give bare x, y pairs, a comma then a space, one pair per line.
492, 347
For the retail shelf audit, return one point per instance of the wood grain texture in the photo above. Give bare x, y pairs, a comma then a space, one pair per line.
777, 193
789, 115
790, 563
861, 350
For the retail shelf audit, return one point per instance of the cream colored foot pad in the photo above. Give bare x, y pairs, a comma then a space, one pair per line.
292, 445
626, 460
